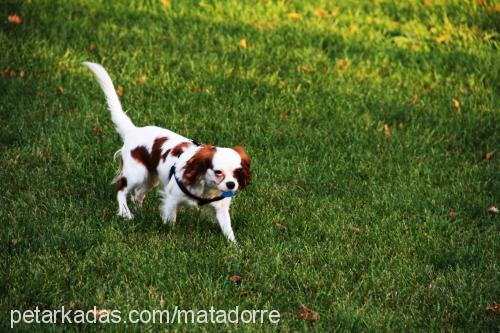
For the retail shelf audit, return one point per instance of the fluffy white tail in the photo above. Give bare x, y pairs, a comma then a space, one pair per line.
121, 120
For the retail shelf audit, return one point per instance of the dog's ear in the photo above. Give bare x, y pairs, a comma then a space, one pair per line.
243, 175
198, 165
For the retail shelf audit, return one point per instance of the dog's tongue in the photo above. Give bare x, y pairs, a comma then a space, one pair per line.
227, 194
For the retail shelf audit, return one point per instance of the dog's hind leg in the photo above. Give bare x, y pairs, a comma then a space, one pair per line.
121, 197
135, 175
141, 191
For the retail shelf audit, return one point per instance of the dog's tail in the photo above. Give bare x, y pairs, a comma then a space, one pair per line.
121, 120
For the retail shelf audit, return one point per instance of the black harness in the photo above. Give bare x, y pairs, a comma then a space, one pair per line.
199, 200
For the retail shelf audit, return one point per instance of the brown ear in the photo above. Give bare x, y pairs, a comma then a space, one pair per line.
243, 175
197, 165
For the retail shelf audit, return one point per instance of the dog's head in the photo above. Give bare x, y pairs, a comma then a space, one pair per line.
227, 169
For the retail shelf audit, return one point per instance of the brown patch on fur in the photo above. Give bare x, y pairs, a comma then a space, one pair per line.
165, 154
149, 160
179, 149
123, 184
243, 175
141, 155
198, 164
156, 152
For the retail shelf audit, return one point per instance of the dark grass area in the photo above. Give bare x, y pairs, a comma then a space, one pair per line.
354, 176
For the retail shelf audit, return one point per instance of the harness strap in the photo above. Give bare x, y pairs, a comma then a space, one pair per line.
199, 200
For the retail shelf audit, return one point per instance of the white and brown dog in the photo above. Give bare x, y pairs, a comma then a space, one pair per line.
190, 173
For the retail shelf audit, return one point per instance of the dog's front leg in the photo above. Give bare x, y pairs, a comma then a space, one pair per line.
169, 210
223, 218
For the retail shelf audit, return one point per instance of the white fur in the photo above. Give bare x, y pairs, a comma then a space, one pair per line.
139, 179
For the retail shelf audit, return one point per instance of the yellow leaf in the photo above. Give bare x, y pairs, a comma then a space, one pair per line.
304, 69
243, 43
294, 16
387, 130
142, 79
165, 3
456, 105
443, 38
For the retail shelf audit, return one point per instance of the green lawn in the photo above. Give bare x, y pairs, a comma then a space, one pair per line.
367, 125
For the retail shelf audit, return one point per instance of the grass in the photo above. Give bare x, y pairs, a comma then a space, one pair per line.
358, 156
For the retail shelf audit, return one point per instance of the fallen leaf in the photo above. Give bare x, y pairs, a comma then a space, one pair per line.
196, 89
165, 3
353, 28
14, 19
355, 229
277, 224
341, 63
491, 9
427, 3
320, 12
493, 210
9, 73
298, 88
452, 214
281, 84
244, 293
488, 155
243, 43
387, 130
235, 278
22, 73
443, 39
304, 69
142, 79
294, 16
97, 130
257, 25
304, 313
456, 105
119, 90
101, 313
60, 90
480, 2
92, 47
162, 302
493, 307
93, 10
13, 242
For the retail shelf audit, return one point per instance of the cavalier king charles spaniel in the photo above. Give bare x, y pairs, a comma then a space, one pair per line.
189, 173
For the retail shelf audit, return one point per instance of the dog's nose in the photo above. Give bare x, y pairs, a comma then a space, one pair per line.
230, 185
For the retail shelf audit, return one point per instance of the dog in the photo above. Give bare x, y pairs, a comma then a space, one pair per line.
190, 173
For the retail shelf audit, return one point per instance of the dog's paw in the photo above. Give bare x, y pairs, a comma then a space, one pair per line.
168, 222
138, 200
126, 215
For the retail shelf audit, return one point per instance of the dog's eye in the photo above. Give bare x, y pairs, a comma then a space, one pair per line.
238, 172
218, 172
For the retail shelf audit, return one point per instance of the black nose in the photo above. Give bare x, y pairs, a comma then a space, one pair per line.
230, 185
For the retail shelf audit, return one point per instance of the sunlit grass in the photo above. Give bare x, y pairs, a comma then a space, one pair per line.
359, 154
